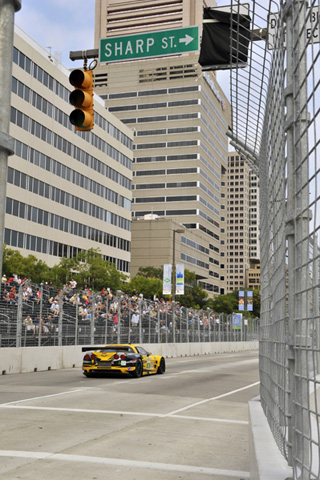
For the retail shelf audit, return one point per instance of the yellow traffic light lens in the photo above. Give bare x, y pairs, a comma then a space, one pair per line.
81, 119
79, 98
80, 79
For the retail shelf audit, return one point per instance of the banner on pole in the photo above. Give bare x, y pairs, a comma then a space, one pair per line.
236, 321
249, 301
167, 272
180, 279
241, 300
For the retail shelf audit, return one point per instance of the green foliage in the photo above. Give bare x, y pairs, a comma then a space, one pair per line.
194, 296
24, 267
229, 303
147, 286
91, 270
223, 303
87, 268
148, 281
256, 303
151, 272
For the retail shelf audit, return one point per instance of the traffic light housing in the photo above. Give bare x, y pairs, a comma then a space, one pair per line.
82, 99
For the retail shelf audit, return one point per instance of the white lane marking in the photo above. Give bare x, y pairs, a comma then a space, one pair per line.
42, 397
211, 399
124, 463
115, 412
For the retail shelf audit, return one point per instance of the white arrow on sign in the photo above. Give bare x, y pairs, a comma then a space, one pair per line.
187, 39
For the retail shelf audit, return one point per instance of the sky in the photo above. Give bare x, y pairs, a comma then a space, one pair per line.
60, 26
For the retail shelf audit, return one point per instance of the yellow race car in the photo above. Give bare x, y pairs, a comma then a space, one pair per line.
123, 358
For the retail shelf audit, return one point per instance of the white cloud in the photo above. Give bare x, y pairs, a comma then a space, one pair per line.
59, 24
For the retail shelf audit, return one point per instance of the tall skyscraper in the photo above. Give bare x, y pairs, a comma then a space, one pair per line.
179, 116
242, 215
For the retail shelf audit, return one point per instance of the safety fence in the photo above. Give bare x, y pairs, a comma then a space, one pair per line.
39, 316
276, 127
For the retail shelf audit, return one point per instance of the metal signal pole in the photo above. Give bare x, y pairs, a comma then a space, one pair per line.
7, 11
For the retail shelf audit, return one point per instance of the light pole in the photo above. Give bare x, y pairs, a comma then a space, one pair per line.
178, 230
7, 11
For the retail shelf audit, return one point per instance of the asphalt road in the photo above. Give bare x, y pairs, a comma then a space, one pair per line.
190, 423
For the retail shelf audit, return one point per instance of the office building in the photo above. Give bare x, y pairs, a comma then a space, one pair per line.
242, 228
66, 191
179, 116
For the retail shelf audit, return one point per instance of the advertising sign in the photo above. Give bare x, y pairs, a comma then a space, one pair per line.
180, 279
241, 300
236, 321
249, 301
167, 272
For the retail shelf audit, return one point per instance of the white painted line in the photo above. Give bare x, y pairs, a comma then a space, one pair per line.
115, 412
42, 397
211, 399
124, 463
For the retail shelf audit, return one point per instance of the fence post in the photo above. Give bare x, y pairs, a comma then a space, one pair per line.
40, 316
119, 320
187, 324
198, 318
140, 322
92, 326
106, 322
76, 333
297, 237
166, 322
159, 326
60, 318
19, 316
149, 331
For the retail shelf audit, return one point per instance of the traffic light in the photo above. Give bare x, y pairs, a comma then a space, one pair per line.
82, 99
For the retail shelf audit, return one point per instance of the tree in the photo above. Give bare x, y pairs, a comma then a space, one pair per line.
151, 272
223, 303
97, 273
147, 286
25, 267
148, 281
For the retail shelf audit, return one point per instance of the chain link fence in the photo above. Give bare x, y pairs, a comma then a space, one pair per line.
32, 315
276, 127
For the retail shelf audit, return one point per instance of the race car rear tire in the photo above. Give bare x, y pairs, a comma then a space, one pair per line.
138, 371
162, 366
88, 374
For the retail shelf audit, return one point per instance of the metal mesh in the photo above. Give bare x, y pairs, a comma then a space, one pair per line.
32, 315
276, 127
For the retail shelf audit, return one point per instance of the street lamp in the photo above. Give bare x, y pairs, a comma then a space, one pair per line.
178, 230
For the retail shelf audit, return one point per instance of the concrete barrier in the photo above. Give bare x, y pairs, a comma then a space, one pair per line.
266, 460
33, 359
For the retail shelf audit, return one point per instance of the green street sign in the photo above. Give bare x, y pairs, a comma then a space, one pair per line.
152, 44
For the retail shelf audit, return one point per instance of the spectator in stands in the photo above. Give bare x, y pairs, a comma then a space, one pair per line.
5, 296
13, 297
29, 290
4, 280
36, 323
135, 319
84, 313
49, 323
44, 326
25, 295
115, 322
73, 285
55, 307
37, 295
28, 324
